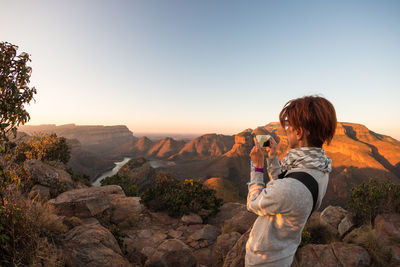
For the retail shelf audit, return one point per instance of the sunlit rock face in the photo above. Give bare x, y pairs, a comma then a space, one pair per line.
205, 146
165, 148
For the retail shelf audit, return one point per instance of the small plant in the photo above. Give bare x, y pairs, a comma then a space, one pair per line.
316, 233
118, 234
367, 200
126, 184
179, 198
83, 178
305, 238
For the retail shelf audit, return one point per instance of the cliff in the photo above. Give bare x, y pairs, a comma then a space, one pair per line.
205, 146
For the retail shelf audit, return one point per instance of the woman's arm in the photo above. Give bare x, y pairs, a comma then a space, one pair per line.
273, 167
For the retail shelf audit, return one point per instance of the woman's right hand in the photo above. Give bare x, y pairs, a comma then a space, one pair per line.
271, 150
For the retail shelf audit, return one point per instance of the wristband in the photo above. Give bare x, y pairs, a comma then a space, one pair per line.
259, 170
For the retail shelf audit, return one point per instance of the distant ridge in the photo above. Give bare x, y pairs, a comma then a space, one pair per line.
357, 154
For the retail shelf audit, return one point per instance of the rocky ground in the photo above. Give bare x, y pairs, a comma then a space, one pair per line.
106, 228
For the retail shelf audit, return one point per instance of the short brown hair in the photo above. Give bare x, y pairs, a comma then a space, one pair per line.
315, 115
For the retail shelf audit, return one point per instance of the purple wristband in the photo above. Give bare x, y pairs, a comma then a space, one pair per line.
259, 170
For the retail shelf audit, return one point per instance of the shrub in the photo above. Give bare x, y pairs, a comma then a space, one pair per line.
316, 233
28, 228
179, 198
126, 184
367, 200
43, 147
83, 178
118, 234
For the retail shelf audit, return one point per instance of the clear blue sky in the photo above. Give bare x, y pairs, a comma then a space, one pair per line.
207, 66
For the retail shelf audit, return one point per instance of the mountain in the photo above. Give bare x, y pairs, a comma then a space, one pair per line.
357, 154
205, 146
165, 148
96, 139
143, 145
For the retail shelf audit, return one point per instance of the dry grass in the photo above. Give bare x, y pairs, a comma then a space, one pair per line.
377, 249
29, 230
320, 233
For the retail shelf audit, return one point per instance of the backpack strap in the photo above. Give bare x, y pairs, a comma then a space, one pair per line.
307, 180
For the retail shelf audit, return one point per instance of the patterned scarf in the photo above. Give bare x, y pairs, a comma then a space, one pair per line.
306, 158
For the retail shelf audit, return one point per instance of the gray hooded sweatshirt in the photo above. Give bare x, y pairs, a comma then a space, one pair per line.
283, 207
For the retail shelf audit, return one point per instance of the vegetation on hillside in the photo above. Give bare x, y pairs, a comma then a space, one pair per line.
367, 200
179, 198
43, 147
126, 184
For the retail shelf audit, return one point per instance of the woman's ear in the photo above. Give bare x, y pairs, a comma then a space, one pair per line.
299, 133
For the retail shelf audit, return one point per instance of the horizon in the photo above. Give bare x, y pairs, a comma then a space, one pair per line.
193, 67
188, 135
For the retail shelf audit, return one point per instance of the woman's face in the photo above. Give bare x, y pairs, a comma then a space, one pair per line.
292, 136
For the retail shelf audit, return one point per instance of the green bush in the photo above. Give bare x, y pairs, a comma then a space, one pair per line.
78, 177
118, 234
43, 147
305, 238
179, 198
124, 182
367, 200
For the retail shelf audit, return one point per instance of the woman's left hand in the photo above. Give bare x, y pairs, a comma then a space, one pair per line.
257, 155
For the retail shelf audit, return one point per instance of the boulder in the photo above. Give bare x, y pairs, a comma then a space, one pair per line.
203, 256
175, 233
335, 254
204, 236
240, 222
124, 207
222, 246
86, 202
331, 216
395, 261
163, 218
92, 245
56, 179
172, 252
208, 232
387, 225
192, 218
226, 212
140, 241
236, 256
346, 225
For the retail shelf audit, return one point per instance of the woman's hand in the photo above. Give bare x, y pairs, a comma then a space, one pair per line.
271, 149
257, 152
257, 155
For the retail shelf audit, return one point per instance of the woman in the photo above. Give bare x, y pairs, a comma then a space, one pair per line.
284, 205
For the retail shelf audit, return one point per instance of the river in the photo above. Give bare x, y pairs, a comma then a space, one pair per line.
120, 164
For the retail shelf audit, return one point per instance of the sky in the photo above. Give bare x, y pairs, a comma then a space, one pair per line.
207, 66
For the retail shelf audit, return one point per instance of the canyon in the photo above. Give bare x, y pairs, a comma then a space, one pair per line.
222, 161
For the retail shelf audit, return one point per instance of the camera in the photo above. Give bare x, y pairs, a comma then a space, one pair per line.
263, 140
